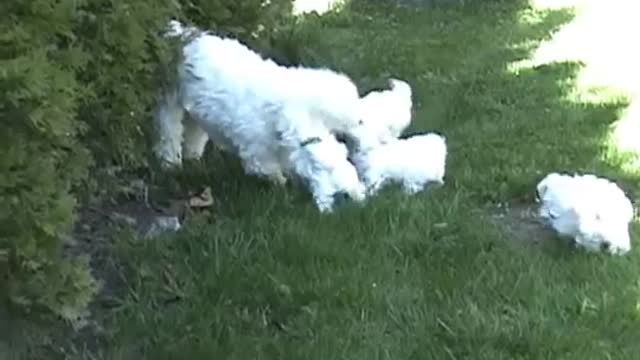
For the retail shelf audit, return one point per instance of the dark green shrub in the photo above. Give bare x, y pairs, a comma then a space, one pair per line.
80, 80
253, 22
41, 158
130, 63
79, 77
246, 20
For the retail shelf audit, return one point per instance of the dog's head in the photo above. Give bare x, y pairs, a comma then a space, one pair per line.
597, 232
356, 191
603, 213
384, 115
331, 157
434, 146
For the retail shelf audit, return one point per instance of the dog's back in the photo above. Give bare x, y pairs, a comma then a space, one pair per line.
210, 55
423, 155
560, 192
417, 159
223, 68
324, 166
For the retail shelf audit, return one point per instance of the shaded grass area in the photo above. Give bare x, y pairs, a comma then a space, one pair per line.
264, 276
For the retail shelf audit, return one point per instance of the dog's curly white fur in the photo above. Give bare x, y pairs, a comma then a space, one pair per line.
249, 105
385, 114
323, 165
592, 210
414, 162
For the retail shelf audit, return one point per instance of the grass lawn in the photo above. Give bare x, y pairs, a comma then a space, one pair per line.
435, 276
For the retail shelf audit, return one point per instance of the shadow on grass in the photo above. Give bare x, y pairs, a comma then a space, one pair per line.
265, 276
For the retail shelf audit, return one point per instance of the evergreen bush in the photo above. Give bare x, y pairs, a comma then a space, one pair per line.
42, 159
80, 79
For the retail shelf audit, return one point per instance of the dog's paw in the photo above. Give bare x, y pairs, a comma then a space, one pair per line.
325, 205
412, 189
325, 209
358, 195
278, 179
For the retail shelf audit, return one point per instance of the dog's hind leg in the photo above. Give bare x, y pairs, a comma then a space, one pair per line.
323, 197
169, 116
273, 172
412, 187
276, 167
263, 166
195, 139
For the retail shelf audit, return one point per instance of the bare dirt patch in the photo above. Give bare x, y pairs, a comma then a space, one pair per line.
93, 235
520, 222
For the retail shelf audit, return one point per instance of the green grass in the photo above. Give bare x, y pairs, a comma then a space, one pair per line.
426, 277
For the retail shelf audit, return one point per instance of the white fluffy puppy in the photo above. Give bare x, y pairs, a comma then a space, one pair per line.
413, 162
250, 105
385, 114
322, 163
593, 211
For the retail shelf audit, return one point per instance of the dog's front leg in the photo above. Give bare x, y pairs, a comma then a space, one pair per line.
278, 178
168, 117
373, 184
263, 166
195, 139
271, 167
324, 203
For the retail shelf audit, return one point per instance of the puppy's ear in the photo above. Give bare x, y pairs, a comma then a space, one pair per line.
541, 189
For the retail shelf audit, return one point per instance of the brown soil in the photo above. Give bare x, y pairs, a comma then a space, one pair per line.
520, 222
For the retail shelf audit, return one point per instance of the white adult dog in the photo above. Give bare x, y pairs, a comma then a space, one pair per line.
249, 105
414, 162
323, 165
593, 211
385, 114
